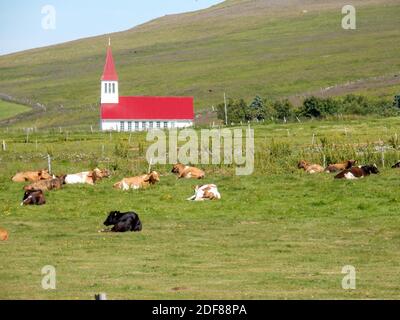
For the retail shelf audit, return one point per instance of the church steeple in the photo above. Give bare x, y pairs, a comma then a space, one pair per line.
109, 80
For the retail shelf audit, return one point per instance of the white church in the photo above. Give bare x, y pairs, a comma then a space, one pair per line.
140, 113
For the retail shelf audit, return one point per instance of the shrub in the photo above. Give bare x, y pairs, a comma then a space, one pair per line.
237, 111
312, 107
257, 109
283, 109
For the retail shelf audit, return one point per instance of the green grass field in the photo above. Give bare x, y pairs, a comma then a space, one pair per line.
243, 48
9, 110
276, 234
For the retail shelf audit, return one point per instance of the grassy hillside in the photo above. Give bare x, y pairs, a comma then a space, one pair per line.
9, 110
268, 47
284, 234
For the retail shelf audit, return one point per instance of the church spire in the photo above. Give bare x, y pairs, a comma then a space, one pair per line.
109, 80
109, 73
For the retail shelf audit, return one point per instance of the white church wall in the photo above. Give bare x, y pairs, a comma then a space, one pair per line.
143, 125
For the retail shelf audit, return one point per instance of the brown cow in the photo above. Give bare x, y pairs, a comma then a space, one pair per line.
33, 197
3, 234
310, 168
46, 185
187, 172
340, 166
139, 182
32, 176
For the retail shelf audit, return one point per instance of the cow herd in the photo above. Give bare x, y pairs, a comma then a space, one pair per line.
346, 170
42, 181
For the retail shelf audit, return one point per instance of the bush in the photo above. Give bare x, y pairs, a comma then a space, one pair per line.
237, 111
318, 107
283, 109
312, 107
257, 109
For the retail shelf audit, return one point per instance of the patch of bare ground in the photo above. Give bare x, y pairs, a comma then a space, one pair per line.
349, 87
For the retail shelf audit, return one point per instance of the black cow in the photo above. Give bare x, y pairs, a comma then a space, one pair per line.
33, 197
123, 221
397, 165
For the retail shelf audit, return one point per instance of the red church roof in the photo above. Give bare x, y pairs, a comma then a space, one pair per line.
149, 108
109, 73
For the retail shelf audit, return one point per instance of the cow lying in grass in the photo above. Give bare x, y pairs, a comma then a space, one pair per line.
31, 176
139, 182
33, 197
396, 166
88, 177
3, 234
205, 192
187, 172
47, 185
358, 172
310, 168
123, 222
340, 166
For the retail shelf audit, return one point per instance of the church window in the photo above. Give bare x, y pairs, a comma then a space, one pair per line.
122, 126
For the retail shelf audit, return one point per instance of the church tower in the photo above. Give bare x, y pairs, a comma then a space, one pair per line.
109, 80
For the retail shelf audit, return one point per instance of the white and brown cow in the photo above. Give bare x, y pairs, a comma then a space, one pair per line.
357, 172
33, 197
139, 182
87, 177
206, 192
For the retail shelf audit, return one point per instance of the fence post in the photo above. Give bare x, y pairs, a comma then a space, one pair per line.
100, 296
4, 146
383, 158
49, 163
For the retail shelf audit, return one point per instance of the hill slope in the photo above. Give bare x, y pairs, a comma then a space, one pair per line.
244, 47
